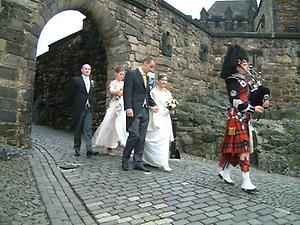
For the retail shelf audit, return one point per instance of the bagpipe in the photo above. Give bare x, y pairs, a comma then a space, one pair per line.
258, 93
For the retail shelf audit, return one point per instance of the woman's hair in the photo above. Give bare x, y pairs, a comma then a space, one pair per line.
161, 76
118, 69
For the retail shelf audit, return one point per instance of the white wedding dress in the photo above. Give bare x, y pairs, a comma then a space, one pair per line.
159, 132
112, 130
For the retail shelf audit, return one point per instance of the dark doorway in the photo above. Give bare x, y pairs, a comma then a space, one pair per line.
54, 69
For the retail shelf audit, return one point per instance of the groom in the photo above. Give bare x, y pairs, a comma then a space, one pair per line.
82, 100
137, 102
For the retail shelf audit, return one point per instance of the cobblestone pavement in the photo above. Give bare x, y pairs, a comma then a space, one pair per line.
98, 191
20, 201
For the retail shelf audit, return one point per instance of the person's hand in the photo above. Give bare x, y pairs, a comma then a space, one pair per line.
172, 112
129, 112
259, 109
154, 108
266, 104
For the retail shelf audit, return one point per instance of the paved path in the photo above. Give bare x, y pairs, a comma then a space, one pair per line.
98, 191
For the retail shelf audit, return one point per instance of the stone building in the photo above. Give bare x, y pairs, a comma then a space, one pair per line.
123, 32
278, 16
245, 16
229, 16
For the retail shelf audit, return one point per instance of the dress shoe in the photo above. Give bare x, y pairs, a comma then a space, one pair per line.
141, 167
90, 153
77, 153
125, 166
250, 191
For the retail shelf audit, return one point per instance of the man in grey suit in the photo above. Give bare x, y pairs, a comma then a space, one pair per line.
137, 102
83, 101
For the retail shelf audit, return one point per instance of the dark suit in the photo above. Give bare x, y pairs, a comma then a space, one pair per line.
136, 97
81, 112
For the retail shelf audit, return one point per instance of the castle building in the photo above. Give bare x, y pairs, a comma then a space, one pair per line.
245, 16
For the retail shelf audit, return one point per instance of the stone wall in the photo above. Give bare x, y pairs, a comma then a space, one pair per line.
278, 16
263, 21
286, 15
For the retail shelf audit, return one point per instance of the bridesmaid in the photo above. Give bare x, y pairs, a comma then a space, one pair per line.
112, 131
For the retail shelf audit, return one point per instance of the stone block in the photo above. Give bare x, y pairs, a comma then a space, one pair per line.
8, 73
151, 50
7, 92
140, 56
8, 116
15, 48
24, 117
12, 60
27, 95
9, 104
12, 35
2, 44
133, 40
8, 130
31, 40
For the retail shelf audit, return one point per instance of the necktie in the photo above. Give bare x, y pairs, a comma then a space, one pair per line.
145, 79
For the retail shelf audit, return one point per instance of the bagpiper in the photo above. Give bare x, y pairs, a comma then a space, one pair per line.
237, 143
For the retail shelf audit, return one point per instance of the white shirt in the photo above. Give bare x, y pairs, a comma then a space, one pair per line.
87, 83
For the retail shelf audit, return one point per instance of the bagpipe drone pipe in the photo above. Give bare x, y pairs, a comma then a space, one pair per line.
258, 93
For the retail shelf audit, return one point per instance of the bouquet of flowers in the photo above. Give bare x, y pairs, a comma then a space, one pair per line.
171, 104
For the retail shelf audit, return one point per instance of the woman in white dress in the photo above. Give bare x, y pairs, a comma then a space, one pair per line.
159, 132
112, 131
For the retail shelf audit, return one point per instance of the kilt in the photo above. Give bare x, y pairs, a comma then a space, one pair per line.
236, 138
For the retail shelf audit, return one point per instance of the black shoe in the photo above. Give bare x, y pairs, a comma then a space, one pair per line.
250, 191
77, 153
90, 153
125, 166
141, 167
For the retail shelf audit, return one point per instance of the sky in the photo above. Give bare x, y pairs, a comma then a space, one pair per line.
70, 21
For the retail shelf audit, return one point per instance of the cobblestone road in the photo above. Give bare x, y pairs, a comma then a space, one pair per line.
98, 191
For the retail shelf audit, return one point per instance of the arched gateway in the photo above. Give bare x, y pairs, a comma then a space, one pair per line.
21, 24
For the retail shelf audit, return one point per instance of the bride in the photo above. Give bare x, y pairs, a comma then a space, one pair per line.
112, 131
159, 132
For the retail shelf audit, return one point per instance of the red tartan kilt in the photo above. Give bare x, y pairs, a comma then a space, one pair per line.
236, 141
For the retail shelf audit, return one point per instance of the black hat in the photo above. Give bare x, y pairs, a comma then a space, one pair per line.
234, 54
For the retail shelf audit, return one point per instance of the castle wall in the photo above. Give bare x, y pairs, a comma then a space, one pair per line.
286, 15
263, 21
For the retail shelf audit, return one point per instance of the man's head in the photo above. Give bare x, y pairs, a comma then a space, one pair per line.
148, 65
86, 70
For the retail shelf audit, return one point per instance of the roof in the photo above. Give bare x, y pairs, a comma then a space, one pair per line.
239, 8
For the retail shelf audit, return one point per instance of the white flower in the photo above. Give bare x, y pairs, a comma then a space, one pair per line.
93, 83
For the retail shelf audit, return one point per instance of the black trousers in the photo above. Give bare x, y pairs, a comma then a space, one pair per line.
84, 125
136, 139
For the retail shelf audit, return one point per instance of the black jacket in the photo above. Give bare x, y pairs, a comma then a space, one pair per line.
135, 93
79, 97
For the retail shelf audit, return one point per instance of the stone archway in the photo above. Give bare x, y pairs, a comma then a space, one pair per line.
21, 25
